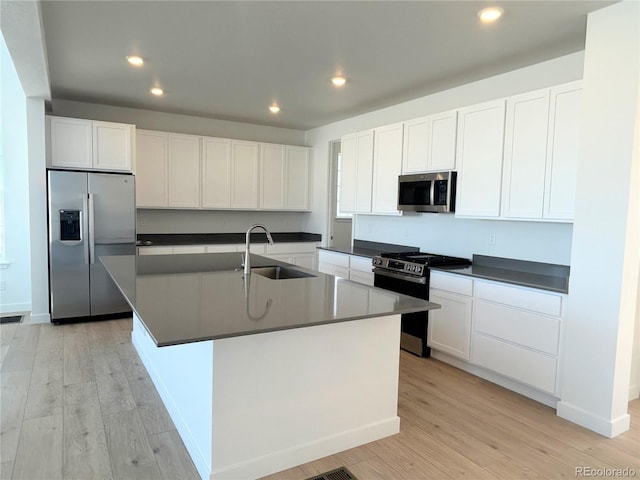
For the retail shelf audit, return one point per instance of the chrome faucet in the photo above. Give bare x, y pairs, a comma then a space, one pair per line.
247, 254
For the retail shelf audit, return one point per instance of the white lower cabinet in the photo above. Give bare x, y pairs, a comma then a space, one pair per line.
352, 267
450, 326
509, 330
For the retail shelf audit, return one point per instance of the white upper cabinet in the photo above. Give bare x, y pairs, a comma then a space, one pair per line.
479, 159
87, 144
184, 171
525, 151
430, 143
216, 172
272, 176
244, 174
349, 154
152, 188
357, 172
387, 165
297, 178
562, 151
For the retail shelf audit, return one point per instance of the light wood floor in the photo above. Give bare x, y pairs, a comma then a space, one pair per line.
76, 403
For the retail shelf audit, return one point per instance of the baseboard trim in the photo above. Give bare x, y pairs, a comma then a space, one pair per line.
604, 426
38, 318
284, 459
15, 308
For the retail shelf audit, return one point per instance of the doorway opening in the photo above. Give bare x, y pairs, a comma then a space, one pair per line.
340, 224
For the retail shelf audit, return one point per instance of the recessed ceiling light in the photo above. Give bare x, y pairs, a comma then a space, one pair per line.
157, 91
338, 80
135, 60
490, 14
274, 108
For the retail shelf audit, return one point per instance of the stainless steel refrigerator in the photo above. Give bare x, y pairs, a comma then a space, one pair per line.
90, 215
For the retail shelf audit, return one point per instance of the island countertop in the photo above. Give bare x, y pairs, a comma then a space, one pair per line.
190, 298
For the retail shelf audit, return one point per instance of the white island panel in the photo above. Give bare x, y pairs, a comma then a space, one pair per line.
279, 399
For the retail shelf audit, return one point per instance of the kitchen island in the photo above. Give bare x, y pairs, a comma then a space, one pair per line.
262, 374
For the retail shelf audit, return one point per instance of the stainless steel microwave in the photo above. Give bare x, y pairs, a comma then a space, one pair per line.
427, 192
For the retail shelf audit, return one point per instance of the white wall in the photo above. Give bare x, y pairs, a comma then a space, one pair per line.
544, 242
38, 212
16, 276
601, 311
203, 221
171, 122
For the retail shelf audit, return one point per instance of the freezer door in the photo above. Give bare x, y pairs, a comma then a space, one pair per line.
68, 247
112, 231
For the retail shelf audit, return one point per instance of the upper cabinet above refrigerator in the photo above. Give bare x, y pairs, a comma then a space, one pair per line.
80, 144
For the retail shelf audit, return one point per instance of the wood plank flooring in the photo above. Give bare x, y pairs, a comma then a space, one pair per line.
77, 403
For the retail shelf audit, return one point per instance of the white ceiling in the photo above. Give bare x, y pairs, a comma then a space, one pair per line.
231, 60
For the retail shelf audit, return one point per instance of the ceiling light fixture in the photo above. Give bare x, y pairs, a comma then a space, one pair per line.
157, 91
274, 108
338, 80
490, 14
135, 60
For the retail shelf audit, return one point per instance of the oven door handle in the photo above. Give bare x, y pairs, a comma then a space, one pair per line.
406, 278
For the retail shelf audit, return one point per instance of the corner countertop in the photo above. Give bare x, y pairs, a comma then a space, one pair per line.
544, 276
169, 239
365, 248
190, 298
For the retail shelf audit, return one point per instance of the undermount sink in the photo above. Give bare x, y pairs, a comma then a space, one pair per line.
280, 273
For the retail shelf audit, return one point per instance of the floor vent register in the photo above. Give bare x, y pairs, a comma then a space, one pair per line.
338, 474
13, 319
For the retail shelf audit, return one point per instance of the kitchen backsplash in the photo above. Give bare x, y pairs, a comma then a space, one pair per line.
214, 221
447, 235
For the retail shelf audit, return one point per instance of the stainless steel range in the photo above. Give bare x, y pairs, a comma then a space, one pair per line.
408, 273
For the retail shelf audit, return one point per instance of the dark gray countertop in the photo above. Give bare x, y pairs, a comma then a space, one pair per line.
167, 239
365, 248
545, 276
190, 298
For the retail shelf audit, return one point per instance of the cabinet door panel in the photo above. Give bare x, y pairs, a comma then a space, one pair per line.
151, 169
522, 364
562, 153
364, 177
348, 180
415, 156
216, 173
449, 327
184, 171
479, 159
244, 174
272, 171
298, 169
525, 155
387, 165
442, 141
71, 142
111, 146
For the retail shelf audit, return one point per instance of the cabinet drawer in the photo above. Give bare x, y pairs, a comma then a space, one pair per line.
451, 283
190, 249
362, 264
526, 366
221, 248
525, 328
535, 300
335, 270
282, 248
340, 259
361, 277
155, 250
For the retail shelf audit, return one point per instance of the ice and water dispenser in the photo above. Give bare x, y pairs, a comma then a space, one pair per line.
70, 225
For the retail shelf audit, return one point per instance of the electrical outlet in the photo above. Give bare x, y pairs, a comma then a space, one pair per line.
3, 285
492, 239
143, 220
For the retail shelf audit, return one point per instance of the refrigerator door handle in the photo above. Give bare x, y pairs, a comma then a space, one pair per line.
92, 243
84, 228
